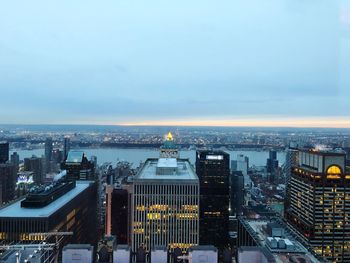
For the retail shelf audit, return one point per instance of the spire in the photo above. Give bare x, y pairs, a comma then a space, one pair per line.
169, 137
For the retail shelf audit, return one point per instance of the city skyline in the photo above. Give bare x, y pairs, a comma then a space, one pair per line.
228, 64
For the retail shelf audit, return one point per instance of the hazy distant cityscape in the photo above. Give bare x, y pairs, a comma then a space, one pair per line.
237, 188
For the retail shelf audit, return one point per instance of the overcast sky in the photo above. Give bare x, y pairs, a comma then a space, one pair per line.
183, 61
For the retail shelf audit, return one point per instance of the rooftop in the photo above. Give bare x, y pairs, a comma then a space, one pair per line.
259, 227
184, 170
75, 157
167, 163
15, 209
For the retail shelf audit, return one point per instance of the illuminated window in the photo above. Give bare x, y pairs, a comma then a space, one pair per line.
334, 172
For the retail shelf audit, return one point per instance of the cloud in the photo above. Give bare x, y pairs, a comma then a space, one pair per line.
136, 60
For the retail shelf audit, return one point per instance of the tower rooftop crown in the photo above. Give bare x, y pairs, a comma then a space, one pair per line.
169, 137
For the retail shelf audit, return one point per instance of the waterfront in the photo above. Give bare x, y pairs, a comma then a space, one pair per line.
257, 158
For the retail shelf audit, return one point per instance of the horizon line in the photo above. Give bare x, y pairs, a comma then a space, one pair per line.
323, 123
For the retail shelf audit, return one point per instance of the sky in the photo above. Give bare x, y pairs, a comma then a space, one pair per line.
223, 62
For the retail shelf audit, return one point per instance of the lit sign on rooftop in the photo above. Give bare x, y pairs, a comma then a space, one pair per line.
214, 157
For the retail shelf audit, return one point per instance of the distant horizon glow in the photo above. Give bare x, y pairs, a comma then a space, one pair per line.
286, 122
289, 122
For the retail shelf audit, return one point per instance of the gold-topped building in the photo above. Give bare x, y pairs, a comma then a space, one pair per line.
319, 208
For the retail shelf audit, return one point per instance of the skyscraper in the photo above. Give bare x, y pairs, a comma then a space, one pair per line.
319, 207
165, 205
48, 154
66, 147
15, 160
78, 166
213, 170
117, 216
7, 182
236, 193
292, 159
243, 166
4, 152
65, 206
35, 164
272, 165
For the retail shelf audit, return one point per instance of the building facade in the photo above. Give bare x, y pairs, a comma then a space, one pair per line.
7, 182
67, 207
4, 152
319, 205
35, 165
78, 167
236, 193
48, 155
165, 205
213, 170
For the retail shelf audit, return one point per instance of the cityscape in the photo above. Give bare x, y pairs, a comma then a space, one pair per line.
198, 195
175, 131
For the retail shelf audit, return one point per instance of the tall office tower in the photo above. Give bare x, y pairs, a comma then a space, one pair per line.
66, 147
61, 207
48, 154
272, 165
169, 149
15, 160
320, 203
93, 160
292, 158
291, 161
165, 205
7, 182
236, 193
117, 214
35, 164
57, 156
272, 162
213, 170
243, 166
4, 152
78, 166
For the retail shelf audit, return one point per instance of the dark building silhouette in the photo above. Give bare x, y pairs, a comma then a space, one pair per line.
213, 170
66, 147
35, 165
272, 162
236, 192
65, 206
4, 152
119, 215
15, 160
48, 155
7, 182
272, 165
78, 166
319, 203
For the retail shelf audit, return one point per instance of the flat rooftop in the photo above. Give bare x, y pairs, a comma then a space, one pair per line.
258, 226
15, 209
184, 170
